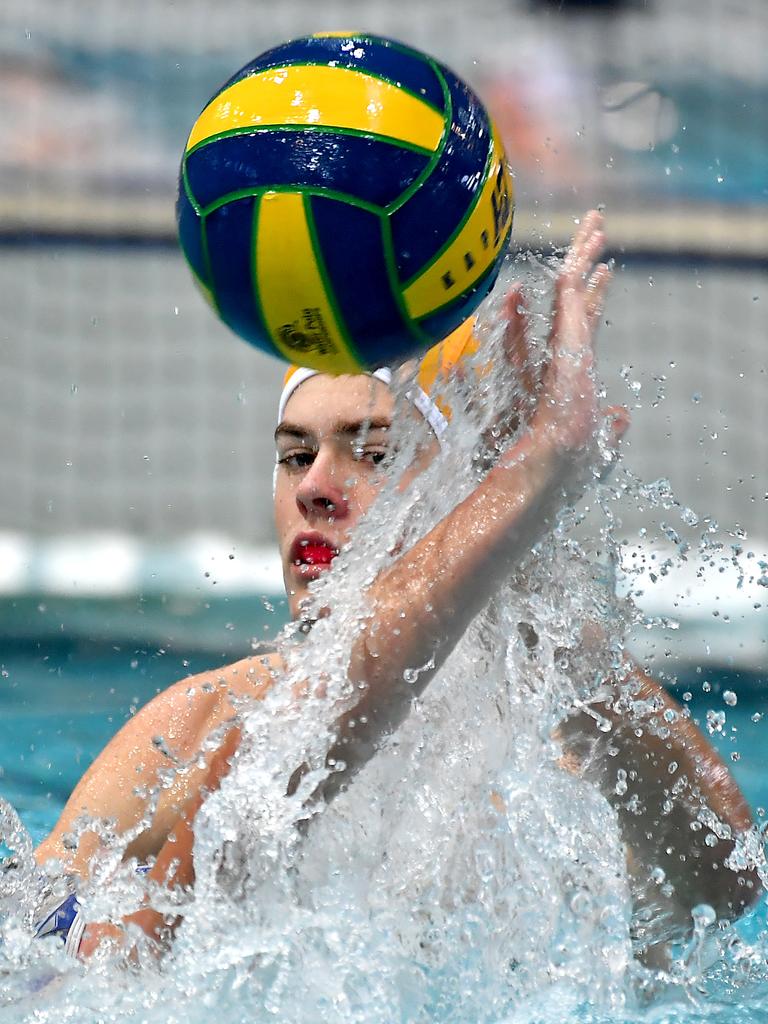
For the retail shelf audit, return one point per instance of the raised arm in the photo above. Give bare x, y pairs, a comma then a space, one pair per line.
422, 604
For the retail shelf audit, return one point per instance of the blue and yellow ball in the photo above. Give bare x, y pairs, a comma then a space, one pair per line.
344, 202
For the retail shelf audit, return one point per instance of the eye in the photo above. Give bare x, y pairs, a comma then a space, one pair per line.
373, 455
301, 459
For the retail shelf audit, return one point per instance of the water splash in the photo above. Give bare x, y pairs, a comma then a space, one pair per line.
466, 873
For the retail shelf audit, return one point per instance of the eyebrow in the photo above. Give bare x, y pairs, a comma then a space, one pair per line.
344, 428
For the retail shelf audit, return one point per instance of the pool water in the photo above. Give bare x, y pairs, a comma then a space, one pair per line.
60, 702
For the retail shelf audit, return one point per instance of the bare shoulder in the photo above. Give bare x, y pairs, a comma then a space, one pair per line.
187, 711
250, 677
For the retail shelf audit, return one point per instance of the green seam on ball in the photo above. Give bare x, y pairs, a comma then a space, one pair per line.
188, 189
317, 251
276, 351
246, 193
414, 187
390, 262
465, 217
314, 128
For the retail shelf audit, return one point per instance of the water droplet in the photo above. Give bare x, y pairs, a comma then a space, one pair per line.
715, 721
703, 916
730, 698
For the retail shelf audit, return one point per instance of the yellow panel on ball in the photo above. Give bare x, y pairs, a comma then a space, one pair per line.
323, 97
296, 304
474, 247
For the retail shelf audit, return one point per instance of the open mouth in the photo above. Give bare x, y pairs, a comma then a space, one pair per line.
312, 552
317, 554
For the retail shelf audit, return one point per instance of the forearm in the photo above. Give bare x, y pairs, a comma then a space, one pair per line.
663, 777
423, 603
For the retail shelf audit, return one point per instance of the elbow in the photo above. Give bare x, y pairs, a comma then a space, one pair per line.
729, 878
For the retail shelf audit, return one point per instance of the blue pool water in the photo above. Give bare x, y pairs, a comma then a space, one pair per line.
63, 696
61, 702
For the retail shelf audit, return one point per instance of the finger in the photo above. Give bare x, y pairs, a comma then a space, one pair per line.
585, 226
517, 340
568, 287
588, 242
590, 224
516, 313
618, 420
597, 287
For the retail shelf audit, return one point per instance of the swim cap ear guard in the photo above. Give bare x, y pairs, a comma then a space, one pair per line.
437, 364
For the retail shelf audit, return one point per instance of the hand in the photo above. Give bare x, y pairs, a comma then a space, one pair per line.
528, 366
567, 409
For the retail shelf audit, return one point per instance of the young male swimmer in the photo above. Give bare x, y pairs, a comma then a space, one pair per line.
331, 435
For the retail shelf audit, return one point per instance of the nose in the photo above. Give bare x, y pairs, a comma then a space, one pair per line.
320, 492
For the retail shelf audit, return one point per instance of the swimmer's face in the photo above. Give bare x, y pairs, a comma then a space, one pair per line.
332, 439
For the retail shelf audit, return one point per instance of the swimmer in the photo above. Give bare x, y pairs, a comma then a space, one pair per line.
331, 436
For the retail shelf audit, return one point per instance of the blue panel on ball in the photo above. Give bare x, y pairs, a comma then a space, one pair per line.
372, 54
229, 231
357, 273
191, 234
440, 324
423, 225
368, 169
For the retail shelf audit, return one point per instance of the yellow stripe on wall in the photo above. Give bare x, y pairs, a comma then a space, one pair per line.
322, 96
294, 301
474, 248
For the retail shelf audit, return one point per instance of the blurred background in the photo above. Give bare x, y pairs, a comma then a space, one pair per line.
135, 454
